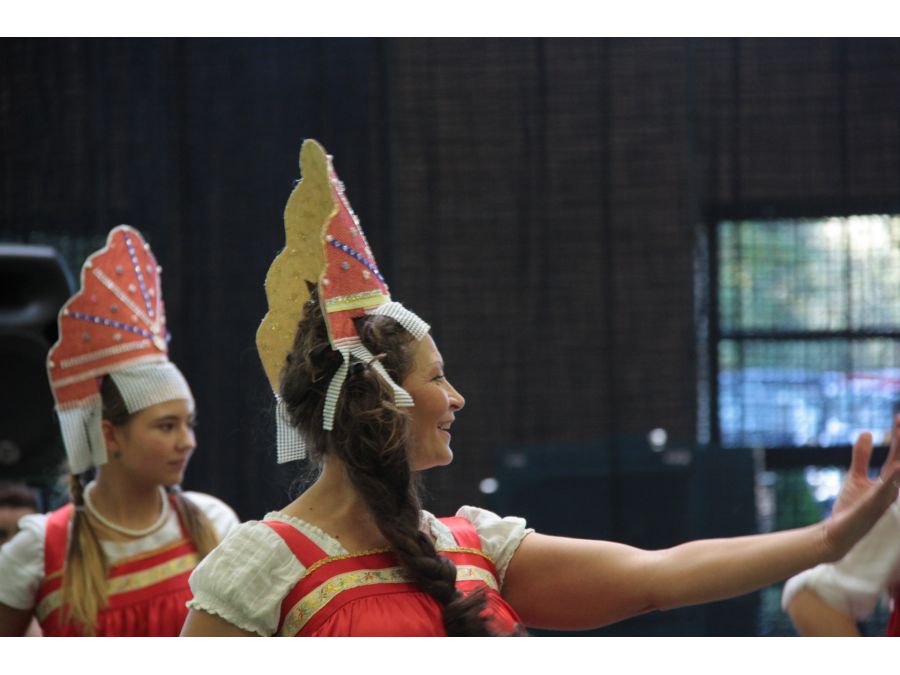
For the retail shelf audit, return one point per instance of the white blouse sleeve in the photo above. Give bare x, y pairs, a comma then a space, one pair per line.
245, 578
223, 518
853, 584
500, 537
22, 563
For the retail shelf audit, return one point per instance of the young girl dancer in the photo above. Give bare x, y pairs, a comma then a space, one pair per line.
116, 560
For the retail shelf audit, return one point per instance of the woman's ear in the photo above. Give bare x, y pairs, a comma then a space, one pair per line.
110, 436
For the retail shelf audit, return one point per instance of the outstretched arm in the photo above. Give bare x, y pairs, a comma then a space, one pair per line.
556, 582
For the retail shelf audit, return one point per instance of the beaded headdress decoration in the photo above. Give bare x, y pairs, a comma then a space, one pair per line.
324, 245
114, 325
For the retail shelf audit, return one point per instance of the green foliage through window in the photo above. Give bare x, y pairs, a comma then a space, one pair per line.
808, 342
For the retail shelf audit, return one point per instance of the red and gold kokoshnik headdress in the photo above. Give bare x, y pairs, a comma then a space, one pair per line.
114, 325
325, 245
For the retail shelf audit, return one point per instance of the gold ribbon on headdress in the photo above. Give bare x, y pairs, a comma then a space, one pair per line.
307, 213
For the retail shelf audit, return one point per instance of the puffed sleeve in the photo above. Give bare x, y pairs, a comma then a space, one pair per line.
853, 584
245, 578
22, 563
500, 537
223, 518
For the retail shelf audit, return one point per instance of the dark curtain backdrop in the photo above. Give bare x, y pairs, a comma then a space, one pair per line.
539, 202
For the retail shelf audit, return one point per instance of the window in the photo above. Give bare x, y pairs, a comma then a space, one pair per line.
806, 330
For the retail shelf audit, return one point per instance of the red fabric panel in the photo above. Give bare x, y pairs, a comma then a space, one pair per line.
463, 532
893, 627
302, 546
56, 539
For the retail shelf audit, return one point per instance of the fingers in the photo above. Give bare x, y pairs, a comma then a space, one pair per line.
845, 528
862, 453
881, 495
891, 473
894, 452
888, 487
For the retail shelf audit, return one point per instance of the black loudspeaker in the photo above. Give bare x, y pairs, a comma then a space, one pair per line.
35, 282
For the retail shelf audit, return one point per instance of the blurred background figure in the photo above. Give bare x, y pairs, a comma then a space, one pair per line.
16, 500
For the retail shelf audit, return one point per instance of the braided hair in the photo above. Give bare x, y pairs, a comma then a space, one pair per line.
84, 572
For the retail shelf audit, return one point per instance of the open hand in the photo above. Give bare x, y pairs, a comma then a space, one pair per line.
857, 483
862, 501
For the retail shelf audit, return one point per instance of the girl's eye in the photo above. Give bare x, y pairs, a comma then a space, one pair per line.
439, 378
167, 426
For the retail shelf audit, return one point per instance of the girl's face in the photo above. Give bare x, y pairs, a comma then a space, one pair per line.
436, 404
156, 443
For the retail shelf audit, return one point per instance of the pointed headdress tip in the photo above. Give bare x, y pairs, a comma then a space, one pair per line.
115, 319
351, 284
311, 148
309, 208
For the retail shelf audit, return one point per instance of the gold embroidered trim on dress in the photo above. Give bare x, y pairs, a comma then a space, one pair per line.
51, 577
131, 559
153, 575
315, 600
343, 556
127, 582
375, 551
462, 549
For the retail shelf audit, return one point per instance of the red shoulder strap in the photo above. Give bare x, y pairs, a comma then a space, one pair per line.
463, 532
56, 539
893, 627
302, 546
172, 499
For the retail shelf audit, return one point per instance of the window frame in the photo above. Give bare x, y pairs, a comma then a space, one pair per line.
710, 333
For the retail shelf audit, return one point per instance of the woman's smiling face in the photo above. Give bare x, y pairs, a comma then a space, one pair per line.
436, 404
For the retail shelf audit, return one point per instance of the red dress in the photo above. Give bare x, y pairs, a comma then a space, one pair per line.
893, 627
368, 594
147, 592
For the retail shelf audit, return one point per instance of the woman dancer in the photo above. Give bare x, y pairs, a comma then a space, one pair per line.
116, 560
361, 386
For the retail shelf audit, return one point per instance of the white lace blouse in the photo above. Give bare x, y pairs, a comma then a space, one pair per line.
245, 579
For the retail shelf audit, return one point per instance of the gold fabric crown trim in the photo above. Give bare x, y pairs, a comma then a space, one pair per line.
309, 209
344, 302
